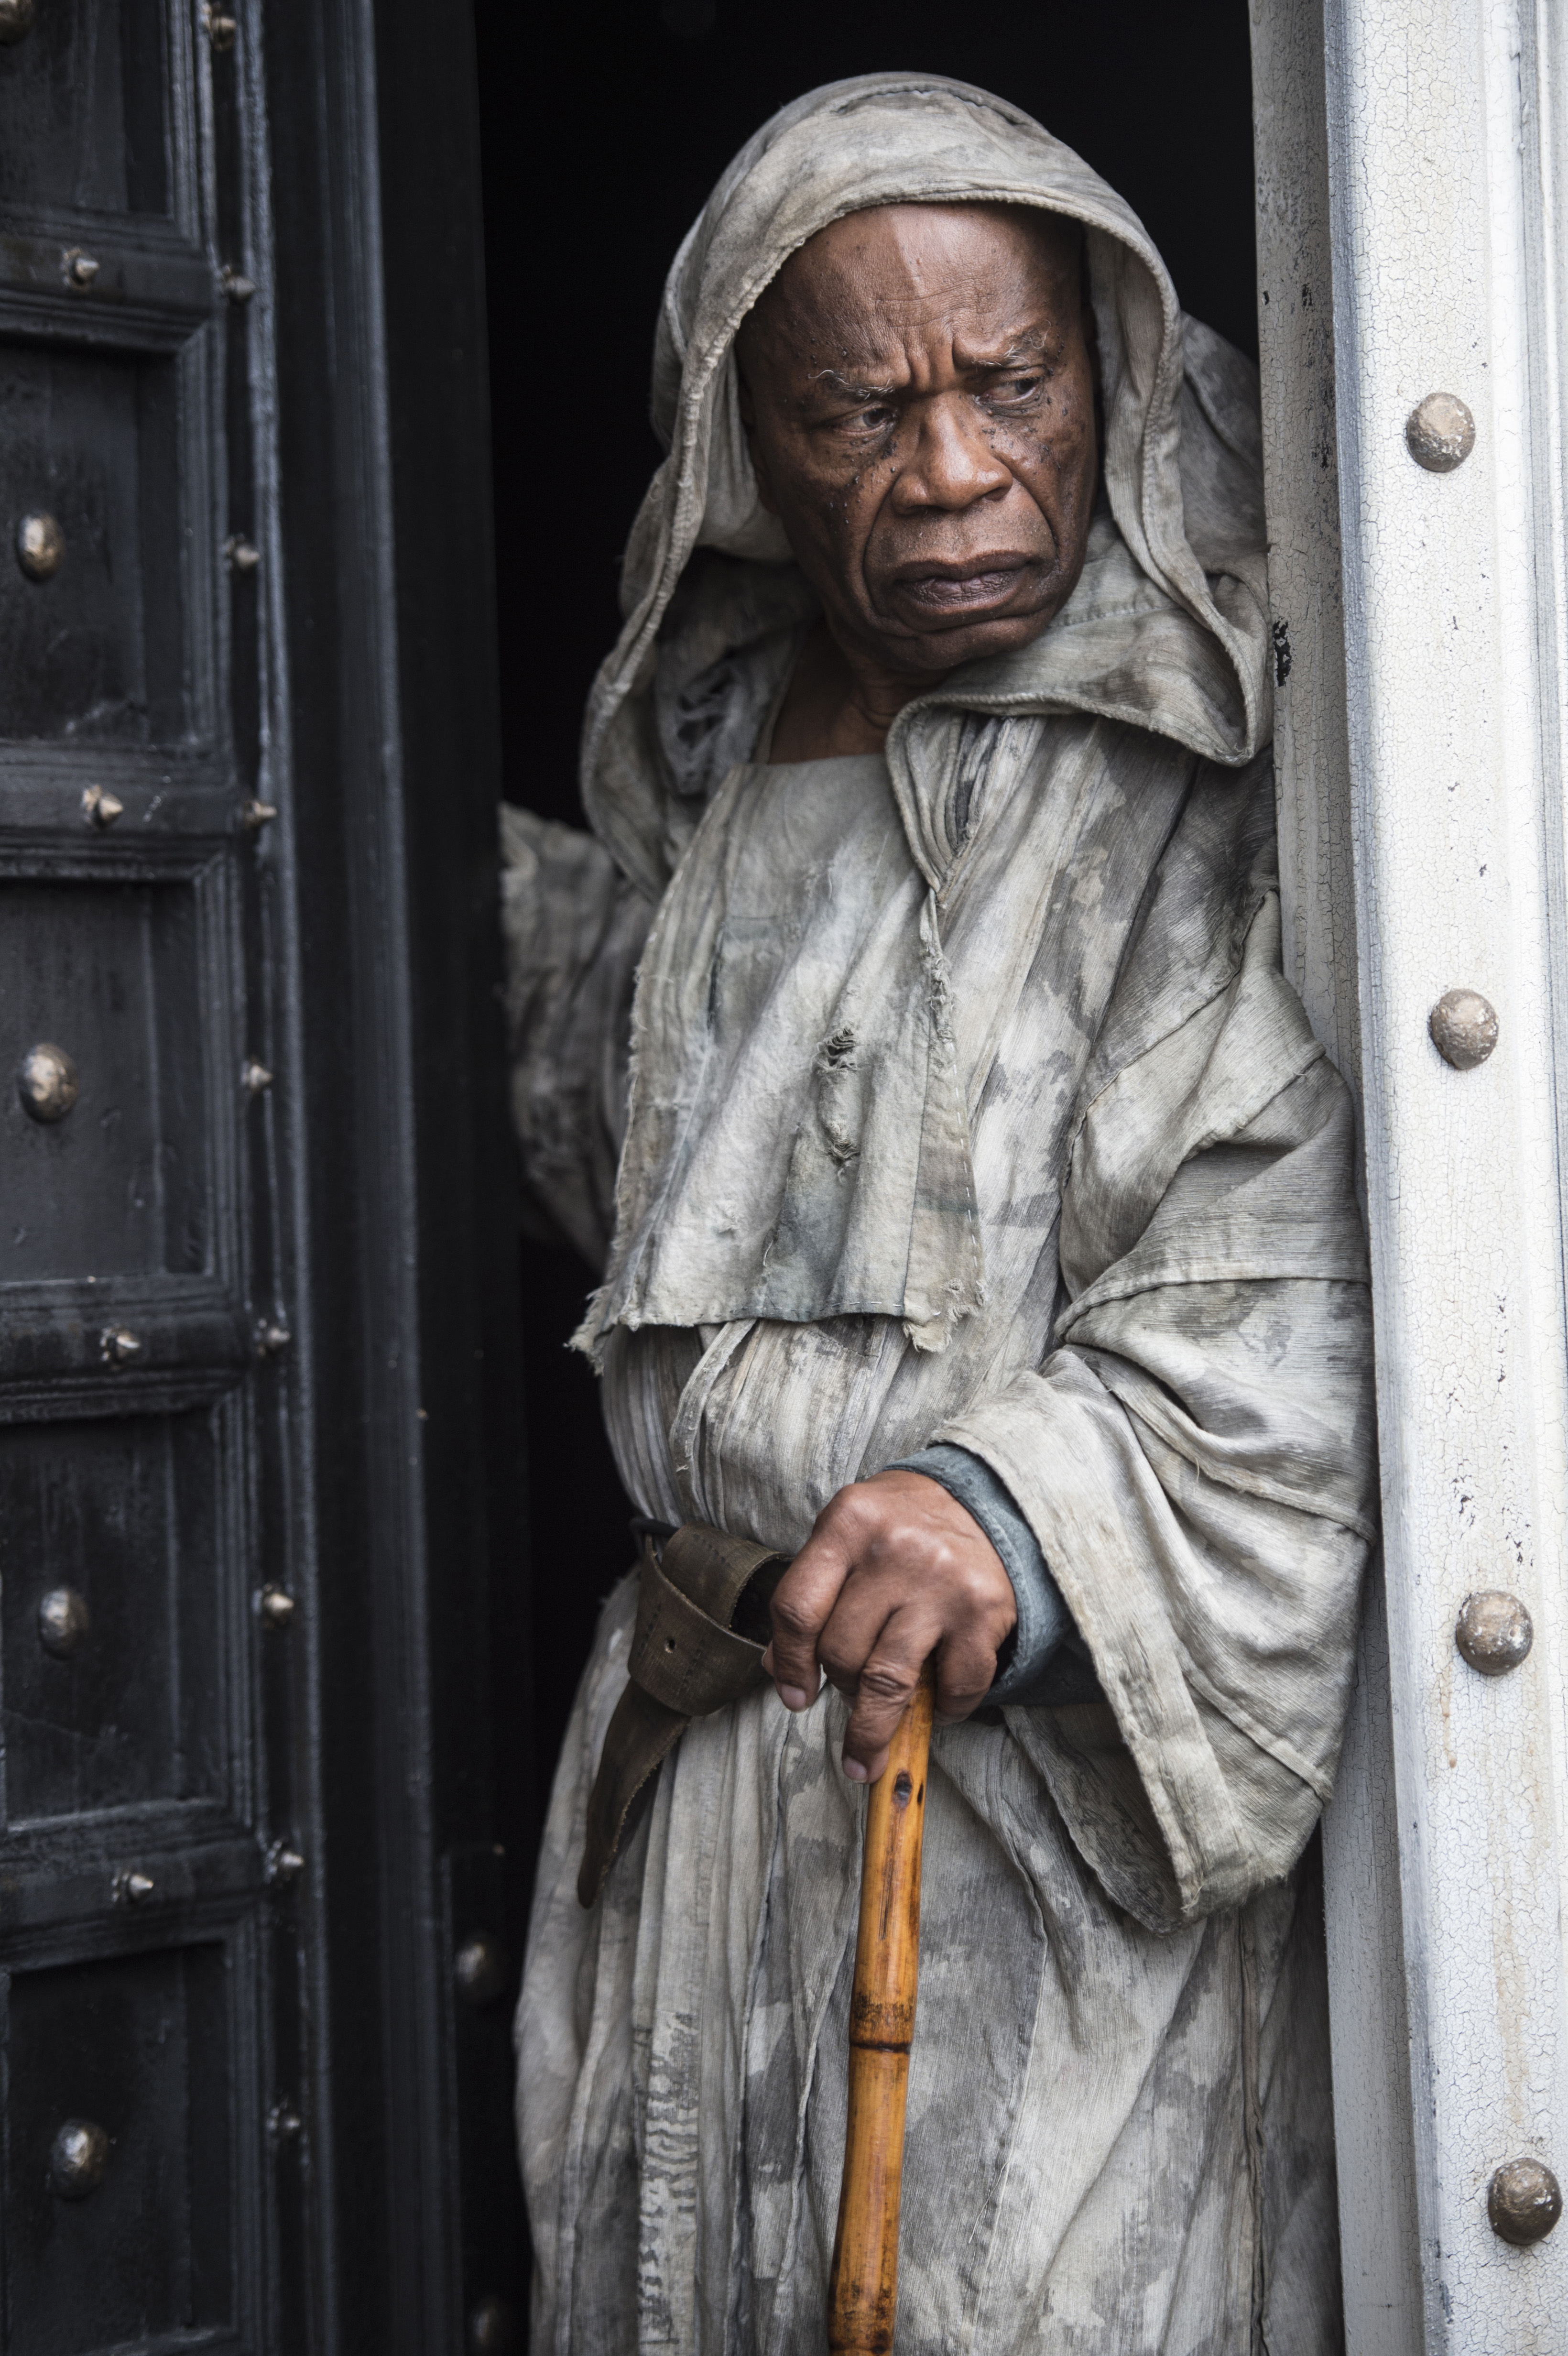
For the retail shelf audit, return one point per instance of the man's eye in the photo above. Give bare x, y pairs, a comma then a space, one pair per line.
873, 420
1012, 389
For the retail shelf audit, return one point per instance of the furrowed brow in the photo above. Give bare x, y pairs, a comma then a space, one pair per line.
851, 388
1025, 351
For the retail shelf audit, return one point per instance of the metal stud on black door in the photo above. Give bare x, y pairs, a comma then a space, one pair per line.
138, 1936
258, 1378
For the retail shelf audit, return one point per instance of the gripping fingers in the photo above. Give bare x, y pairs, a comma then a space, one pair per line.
792, 1696
965, 1672
894, 1569
883, 1694
802, 1603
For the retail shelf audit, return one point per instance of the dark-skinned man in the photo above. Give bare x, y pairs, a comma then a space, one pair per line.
908, 1044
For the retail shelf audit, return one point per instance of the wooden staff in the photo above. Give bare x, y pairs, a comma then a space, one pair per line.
864, 2286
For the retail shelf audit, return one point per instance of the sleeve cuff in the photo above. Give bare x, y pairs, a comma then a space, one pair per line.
1045, 1661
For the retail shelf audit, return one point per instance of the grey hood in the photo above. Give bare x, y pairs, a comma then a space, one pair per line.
1167, 629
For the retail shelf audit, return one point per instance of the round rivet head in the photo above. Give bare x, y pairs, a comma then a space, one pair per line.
494, 2328
480, 1969
64, 1622
1494, 1632
1440, 433
41, 547
1524, 2202
101, 807
16, 19
46, 1082
78, 2158
1464, 1028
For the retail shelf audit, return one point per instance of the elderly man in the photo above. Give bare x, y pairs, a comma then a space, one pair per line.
975, 1210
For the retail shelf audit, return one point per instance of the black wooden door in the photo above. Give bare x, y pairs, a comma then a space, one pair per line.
257, 1430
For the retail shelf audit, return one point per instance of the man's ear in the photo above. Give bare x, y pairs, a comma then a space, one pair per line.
749, 421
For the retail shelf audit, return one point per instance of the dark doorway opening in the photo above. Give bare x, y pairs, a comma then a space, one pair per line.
593, 169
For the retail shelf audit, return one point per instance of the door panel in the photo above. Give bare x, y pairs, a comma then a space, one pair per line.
127, 2234
258, 1388
113, 1655
82, 110
119, 1184
88, 440
151, 1915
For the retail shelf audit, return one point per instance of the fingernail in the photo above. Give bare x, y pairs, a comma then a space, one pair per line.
794, 1696
768, 1661
853, 1769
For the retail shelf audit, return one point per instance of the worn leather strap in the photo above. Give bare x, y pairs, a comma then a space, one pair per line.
687, 1659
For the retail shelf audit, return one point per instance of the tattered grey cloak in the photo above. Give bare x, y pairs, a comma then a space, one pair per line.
969, 1103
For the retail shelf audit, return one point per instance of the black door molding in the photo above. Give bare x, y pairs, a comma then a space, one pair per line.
402, 1169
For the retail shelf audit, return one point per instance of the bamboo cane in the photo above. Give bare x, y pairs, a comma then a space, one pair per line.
863, 2292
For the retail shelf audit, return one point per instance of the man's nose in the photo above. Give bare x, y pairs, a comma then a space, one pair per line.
952, 463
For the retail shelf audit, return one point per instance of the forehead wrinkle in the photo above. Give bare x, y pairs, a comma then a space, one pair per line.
1011, 319
1024, 345
853, 387
856, 309
848, 338
838, 260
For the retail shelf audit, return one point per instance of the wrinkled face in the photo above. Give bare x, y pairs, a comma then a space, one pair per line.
919, 395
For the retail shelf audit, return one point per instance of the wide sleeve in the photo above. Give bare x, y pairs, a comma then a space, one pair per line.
1197, 1455
573, 931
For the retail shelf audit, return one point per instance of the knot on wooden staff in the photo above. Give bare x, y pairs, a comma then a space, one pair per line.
863, 2291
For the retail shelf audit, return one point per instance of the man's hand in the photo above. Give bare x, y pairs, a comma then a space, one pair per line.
894, 1570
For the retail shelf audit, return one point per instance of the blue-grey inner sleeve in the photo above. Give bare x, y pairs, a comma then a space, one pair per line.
1045, 1661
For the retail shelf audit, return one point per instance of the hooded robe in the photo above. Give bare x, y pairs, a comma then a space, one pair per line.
955, 1097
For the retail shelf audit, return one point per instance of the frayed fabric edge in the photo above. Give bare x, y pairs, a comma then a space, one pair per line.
593, 1334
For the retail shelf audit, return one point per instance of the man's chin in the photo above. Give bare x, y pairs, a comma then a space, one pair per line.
931, 652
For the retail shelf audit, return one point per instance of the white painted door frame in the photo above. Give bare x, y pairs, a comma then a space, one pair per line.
1411, 162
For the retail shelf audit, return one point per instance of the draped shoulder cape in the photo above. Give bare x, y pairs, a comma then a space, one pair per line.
956, 1097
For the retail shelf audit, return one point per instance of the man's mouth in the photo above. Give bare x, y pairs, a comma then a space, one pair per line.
956, 591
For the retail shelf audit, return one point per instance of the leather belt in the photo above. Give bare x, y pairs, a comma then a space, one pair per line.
703, 1624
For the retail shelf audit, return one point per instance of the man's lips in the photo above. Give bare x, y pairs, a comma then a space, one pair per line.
960, 590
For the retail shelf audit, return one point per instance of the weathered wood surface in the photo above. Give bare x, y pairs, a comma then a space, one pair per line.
863, 2288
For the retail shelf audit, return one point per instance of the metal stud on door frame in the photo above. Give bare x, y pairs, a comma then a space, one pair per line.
1415, 442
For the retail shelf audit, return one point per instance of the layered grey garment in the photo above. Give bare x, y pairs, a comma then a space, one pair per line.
967, 1103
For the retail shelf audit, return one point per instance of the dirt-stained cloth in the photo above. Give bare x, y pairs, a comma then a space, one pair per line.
964, 1100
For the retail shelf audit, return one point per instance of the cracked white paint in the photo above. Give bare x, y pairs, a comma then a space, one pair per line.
1373, 2127
1444, 201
